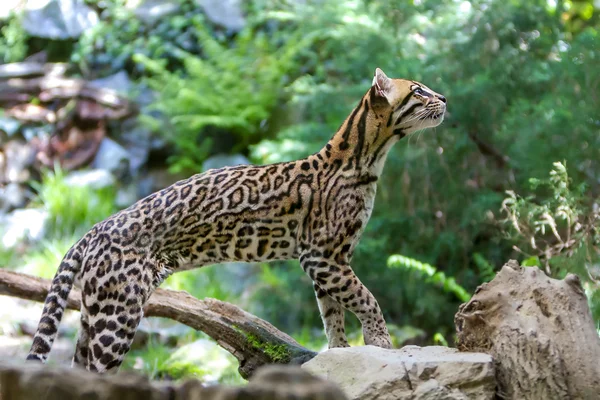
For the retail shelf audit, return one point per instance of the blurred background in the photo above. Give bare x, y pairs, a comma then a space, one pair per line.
103, 102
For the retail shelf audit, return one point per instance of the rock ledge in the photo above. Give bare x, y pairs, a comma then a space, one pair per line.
412, 372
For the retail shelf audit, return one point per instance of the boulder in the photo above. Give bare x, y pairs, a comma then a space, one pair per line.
227, 13
94, 179
412, 372
152, 11
58, 19
111, 156
10, 6
12, 196
16, 157
119, 82
22, 224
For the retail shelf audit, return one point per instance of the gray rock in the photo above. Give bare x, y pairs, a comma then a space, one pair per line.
58, 19
9, 125
126, 196
94, 179
118, 82
224, 160
112, 157
22, 224
15, 160
10, 6
412, 372
151, 11
158, 178
138, 141
13, 195
227, 13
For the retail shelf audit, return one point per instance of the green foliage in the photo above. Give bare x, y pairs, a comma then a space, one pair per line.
486, 270
110, 45
193, 357
72, 209
432, 275
558, 228
200, 284
13, 40
440, 340
231, 89
557, 225
277, 352
7, 257
44, 259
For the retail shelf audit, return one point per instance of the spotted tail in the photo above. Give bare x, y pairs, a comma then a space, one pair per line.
55, 304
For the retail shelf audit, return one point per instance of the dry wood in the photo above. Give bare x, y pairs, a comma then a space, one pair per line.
253, 341
49, 88
539, 331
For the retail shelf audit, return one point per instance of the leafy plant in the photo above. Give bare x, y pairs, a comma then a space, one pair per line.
44, 259
486, 270
13, 40
432, 275
555, 224
73, 209
110, 45
195, 357
232, 89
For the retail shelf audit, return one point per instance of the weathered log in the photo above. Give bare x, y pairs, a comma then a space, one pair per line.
33, 381
49, 88
539, 331
253, 341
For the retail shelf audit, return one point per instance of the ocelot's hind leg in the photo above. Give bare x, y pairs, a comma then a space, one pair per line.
340, 283
83, 339
111, 333
114, 311
332, 314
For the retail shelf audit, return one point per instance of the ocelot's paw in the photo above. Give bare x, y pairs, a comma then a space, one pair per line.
380, 341
338, 344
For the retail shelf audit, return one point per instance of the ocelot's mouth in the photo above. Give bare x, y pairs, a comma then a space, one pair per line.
437, 115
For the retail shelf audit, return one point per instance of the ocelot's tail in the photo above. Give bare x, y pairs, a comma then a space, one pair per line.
55, 304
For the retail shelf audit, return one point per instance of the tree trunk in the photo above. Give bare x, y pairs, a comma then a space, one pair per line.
539, 331
253, 341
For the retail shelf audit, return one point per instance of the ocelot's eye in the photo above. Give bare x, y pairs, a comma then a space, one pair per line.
419, 91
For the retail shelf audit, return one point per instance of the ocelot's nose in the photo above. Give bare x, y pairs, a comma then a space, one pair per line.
442, 98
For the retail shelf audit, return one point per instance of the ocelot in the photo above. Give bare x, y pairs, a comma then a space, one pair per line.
314, 210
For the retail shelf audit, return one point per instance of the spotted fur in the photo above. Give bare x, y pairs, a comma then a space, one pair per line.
313, 209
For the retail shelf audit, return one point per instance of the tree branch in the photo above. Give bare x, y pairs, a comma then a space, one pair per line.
253, 341
488, 150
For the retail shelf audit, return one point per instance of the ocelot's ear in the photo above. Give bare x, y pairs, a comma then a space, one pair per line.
381, 84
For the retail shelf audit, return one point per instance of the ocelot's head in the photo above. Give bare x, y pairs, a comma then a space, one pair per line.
411, 105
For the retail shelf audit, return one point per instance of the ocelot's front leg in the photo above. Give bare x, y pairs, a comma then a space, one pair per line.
332, 314
339, 282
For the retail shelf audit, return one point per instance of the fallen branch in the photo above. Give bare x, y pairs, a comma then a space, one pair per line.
253, 341
50, 88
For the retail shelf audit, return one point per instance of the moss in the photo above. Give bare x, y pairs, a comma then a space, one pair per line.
277, 352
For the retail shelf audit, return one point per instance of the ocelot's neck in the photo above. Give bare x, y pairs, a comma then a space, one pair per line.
362, 143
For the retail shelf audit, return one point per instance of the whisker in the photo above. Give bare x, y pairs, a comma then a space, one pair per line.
418, 115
